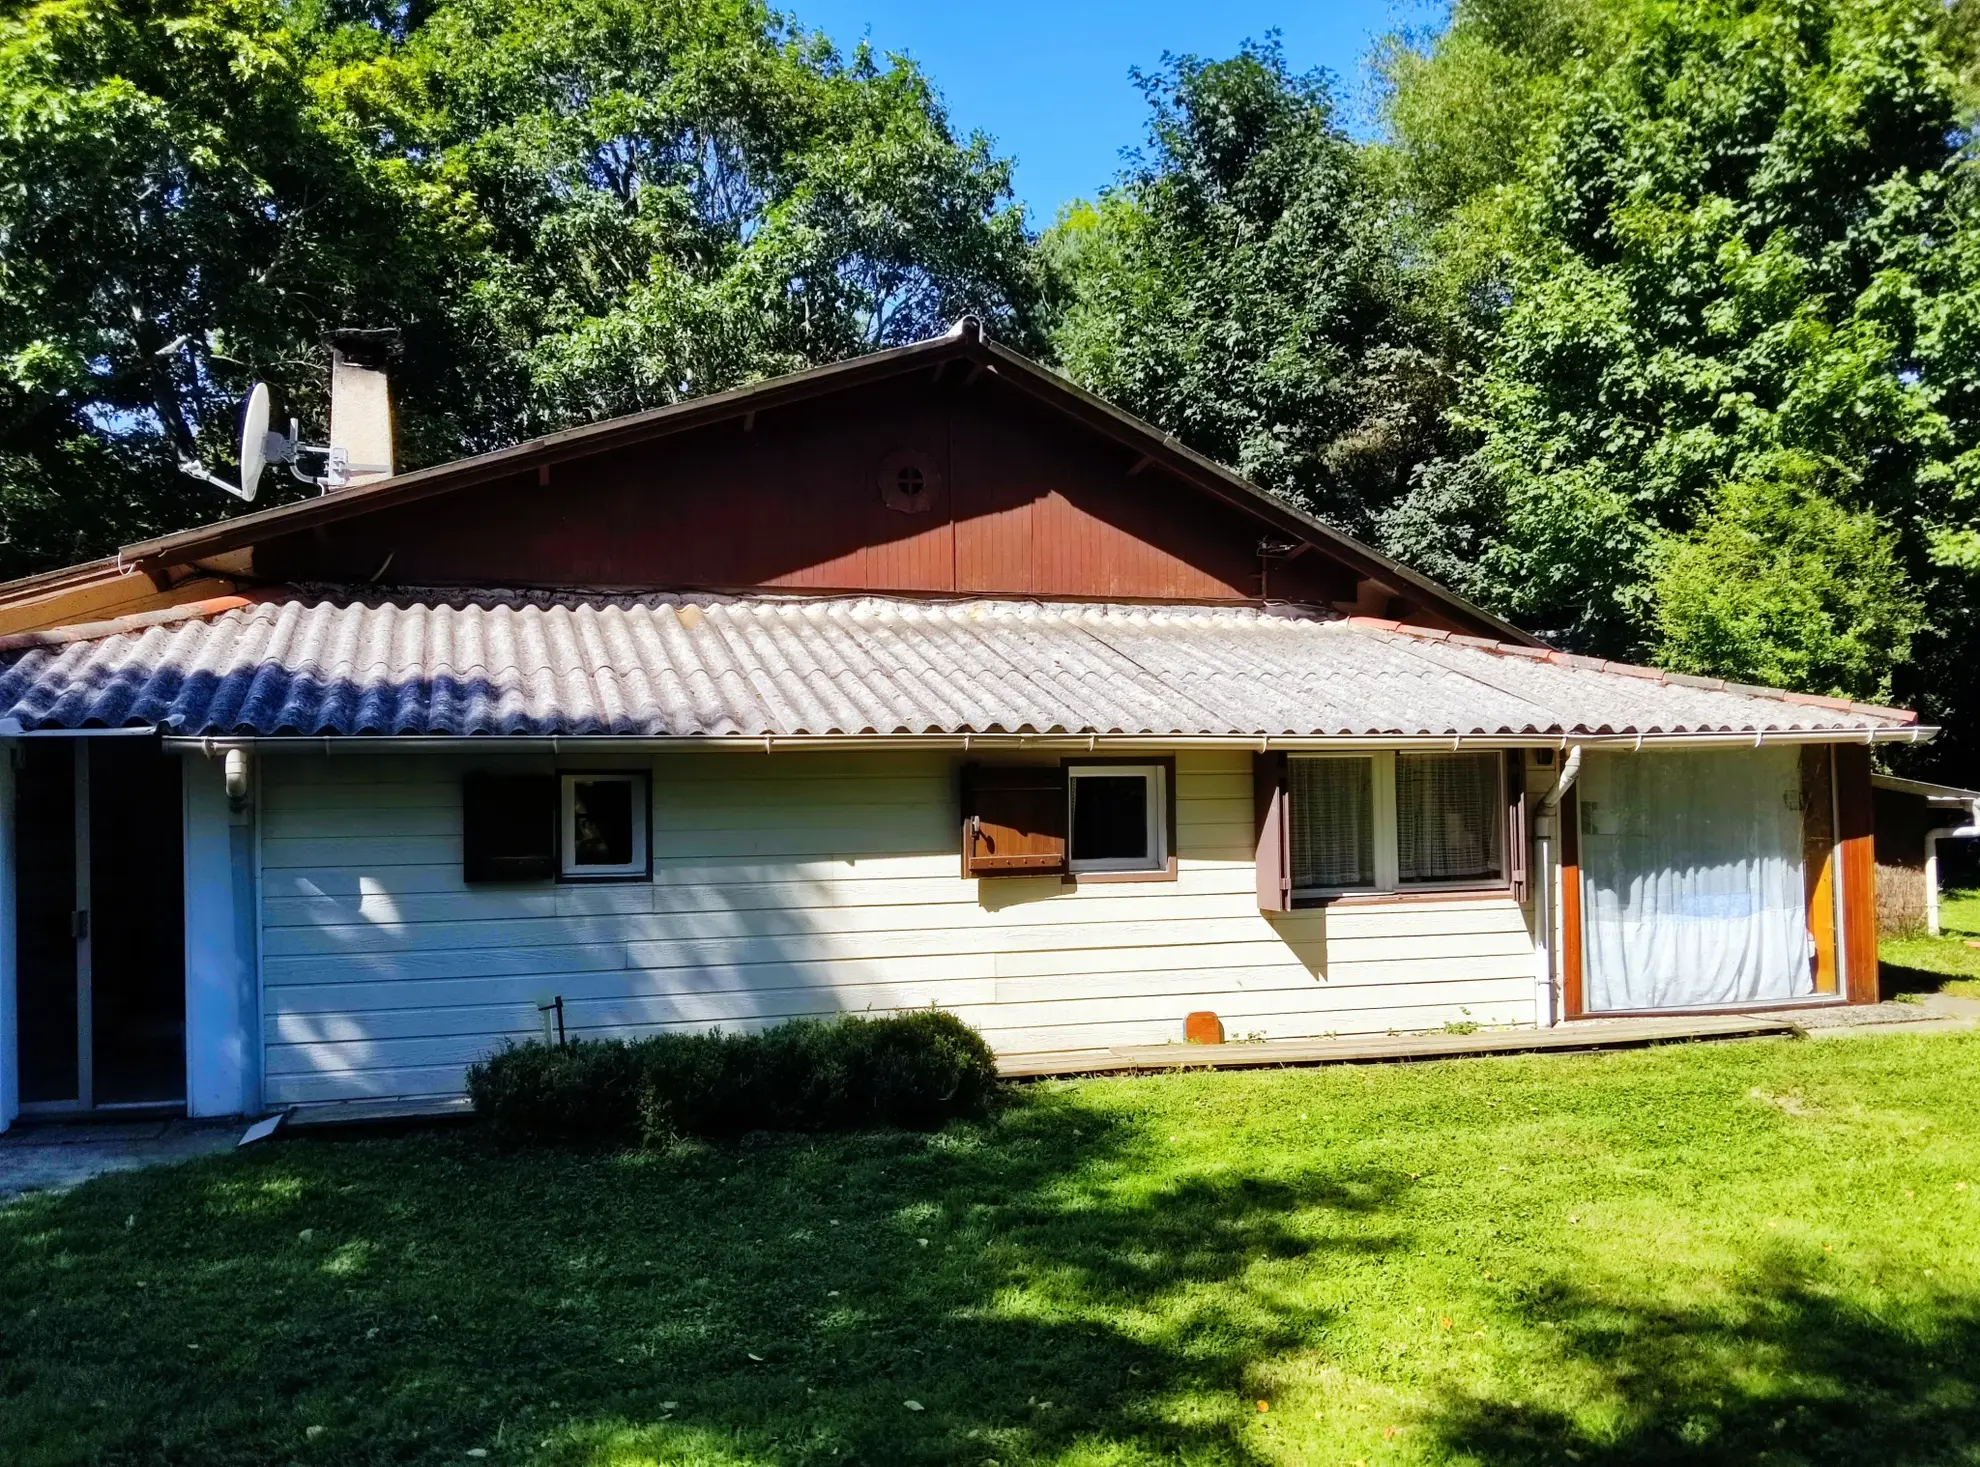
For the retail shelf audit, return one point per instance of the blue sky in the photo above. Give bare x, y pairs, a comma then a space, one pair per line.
1048, 79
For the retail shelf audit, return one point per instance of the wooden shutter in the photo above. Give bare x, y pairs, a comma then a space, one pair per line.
509, 827
1273, 814
1014, 820
1518, 851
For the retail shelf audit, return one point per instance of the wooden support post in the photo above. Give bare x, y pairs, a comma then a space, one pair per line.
1572, 1004
1818, 859
1857, 870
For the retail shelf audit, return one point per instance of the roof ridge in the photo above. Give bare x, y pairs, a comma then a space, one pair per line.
1632, 669
521, 598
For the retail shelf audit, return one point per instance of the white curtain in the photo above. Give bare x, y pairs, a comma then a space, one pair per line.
1691, 879
1333, 823
1450, 810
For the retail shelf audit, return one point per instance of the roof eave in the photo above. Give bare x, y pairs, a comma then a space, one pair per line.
969, 740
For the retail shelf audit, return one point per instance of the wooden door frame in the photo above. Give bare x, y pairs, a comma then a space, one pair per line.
1856, 871
1853, 862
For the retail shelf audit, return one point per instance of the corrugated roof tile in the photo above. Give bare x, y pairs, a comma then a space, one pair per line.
493, 664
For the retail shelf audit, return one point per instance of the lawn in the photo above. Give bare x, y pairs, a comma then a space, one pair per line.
1944, 964
1764, 1251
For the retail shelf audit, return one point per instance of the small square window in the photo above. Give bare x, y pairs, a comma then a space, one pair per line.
508, 827
604, 825
1117, 818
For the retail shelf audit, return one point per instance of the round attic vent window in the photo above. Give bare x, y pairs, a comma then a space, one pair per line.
909, 481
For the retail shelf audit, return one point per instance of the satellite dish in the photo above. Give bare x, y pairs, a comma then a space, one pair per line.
260, 448
254, 439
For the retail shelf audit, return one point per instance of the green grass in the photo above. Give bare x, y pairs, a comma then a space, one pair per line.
1767, 1251
1943, 964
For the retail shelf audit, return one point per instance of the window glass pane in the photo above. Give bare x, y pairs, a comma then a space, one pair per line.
508, 827
1110, 817
602, 825
1333, 823
1449, 808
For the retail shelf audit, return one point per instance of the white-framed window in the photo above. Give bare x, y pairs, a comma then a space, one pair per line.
604, 819
1396, 821
1116, 818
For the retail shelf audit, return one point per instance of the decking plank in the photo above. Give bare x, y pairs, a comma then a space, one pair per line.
1586, 1034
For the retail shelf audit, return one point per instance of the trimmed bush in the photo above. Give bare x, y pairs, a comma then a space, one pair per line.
914, 1070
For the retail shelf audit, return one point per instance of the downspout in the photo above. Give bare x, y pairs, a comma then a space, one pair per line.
1545, 1013
1932, 838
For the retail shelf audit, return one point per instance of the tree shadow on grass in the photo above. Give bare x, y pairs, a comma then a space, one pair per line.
1896, 980
1778, 1370
1055, 1287
1040, 1290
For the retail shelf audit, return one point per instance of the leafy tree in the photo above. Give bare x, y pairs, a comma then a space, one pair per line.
681, 197
1777, 584
1239, 289
1724, 410
564, 208
173, 215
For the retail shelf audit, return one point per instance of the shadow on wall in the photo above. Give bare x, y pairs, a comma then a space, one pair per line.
822, 888
395, 976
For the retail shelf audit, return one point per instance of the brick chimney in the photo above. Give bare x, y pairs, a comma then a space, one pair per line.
360, 410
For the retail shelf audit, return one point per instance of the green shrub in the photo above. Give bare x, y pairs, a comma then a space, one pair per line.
914, 1070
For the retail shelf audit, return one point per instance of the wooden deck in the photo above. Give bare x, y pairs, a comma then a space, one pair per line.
1580, 1034
332, 1113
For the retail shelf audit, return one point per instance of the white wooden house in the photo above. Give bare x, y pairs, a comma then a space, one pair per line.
923, 679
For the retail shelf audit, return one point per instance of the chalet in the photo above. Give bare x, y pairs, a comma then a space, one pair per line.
926, 678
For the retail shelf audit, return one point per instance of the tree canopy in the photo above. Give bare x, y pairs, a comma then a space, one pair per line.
1653, 325
1240, 288
564, 208
1695, 282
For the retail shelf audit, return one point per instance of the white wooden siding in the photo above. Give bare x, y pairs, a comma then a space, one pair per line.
806, 884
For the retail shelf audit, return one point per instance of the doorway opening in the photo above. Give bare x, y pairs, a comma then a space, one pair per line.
100, 925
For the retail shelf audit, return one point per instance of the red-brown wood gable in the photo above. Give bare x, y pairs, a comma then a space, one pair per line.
1020, 502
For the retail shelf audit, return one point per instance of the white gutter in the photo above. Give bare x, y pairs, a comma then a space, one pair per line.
10, 728
1932, 838
1545, 1011
771, 743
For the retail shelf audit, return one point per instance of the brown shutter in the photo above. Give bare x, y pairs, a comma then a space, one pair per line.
1517, 848
1274, 825
1014, 820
